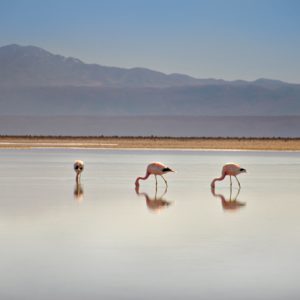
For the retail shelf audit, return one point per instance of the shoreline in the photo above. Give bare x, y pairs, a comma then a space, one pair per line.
150, 143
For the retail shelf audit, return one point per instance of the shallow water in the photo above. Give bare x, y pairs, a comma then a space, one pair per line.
104, 241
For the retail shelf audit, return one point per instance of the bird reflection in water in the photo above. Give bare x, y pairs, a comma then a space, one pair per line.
156, 203
230, 204
78, 192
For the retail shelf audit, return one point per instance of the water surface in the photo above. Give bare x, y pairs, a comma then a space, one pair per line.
105, 240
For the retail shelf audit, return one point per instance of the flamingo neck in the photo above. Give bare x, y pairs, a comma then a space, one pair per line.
142, 178
77, 178
218, 179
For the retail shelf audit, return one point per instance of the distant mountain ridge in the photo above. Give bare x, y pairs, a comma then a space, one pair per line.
35, 82
34, 66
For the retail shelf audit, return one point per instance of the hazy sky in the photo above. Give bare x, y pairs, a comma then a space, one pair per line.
230, 39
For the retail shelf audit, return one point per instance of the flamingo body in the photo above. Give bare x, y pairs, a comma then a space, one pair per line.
229, 169
155, 168
158, 168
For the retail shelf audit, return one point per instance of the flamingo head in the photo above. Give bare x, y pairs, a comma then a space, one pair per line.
243, 170
78, 166
167, 170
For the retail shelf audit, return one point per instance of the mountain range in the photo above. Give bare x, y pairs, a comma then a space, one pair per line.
33, 66
37, 83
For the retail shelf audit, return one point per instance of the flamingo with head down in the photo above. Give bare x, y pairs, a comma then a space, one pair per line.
155, 168
230, 169
78, 168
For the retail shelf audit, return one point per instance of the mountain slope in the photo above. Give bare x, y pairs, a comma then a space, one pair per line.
33, 66
34, 82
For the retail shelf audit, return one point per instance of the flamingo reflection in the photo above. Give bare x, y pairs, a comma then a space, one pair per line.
231, 203
78, 192
155, 204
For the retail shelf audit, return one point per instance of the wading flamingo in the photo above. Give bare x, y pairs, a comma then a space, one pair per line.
155, 169
229, 169
78, 168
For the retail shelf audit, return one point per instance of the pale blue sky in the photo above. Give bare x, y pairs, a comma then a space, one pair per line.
229, 39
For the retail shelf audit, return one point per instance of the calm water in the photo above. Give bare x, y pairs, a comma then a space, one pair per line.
104, 241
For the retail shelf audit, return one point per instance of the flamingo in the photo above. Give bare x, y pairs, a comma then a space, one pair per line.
78, 168
155, 168
229, 169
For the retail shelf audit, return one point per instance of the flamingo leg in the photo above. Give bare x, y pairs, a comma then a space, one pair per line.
238, 181
155, 180
230, 181
237, 194
165, 191
164, 180
230, 193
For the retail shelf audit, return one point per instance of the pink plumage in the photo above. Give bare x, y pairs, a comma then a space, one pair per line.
229, 169
155, 168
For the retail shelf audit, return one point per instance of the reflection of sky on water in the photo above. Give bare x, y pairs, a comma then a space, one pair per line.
110, 246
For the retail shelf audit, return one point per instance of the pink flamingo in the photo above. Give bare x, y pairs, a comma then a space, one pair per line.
78, 168
229, 169
155, 169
